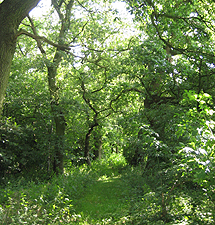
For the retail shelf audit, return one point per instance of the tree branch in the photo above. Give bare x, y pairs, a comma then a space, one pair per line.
82, 29
36, 37
35, 33
87, 100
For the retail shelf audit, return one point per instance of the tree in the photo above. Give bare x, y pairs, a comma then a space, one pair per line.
26, 128
175, 55
12, 12
93, 37
185, 30
175, 65
52, 67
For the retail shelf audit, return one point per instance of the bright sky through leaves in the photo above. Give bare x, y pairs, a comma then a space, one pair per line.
41, 9
44, 5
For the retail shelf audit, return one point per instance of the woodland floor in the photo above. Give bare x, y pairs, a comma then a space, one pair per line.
105, 200
107, 193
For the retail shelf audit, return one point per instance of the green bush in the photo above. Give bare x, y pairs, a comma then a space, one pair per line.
23, 149
147, 149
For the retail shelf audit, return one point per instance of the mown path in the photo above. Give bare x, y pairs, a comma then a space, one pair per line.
104, 202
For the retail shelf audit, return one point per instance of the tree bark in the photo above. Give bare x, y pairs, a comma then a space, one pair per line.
12, 12
87, 141
97, 144
58, 115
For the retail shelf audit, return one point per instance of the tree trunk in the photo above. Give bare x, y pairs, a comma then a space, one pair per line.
87, 142
12, 12
56, 108
60, 122
97, 144
87, 148
100, 150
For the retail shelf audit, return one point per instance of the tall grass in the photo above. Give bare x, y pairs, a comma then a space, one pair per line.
108, 192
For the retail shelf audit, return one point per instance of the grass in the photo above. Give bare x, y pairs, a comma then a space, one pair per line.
82, 195
110, 192
104, 202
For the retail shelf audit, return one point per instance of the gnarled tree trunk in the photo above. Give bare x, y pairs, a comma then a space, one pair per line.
97, 144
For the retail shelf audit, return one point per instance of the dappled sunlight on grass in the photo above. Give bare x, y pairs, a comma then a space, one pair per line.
105, 178
104, 200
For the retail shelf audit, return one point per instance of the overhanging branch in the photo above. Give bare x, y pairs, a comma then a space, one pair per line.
42, 38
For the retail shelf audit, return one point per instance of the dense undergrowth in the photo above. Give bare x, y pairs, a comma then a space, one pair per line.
109, 192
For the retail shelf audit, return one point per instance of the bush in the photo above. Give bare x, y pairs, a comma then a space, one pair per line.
146, 149
22, 149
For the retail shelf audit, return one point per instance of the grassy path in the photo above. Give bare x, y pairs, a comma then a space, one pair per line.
104, 202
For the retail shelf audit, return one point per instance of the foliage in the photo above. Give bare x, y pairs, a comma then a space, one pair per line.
141, 108
145, 146
109, 166
22, 149
28, 95
107, 193
52, 202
